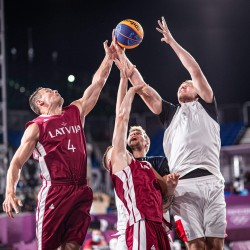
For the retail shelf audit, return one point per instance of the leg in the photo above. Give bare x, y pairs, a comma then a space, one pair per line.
214, 243
197, 244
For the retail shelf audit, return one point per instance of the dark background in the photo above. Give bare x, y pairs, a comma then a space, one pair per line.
215, 32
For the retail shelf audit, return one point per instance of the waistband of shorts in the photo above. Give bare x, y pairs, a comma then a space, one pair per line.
196, 173
65, 182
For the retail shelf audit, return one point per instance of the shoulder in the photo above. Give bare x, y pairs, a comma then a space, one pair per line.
168, 111
210, 108
71, 108
38, 120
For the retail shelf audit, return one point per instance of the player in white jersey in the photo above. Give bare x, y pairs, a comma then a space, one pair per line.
192, 145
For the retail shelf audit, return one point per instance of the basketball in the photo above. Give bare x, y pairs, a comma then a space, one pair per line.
129, 33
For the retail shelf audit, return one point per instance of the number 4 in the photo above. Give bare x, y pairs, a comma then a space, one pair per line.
71, 147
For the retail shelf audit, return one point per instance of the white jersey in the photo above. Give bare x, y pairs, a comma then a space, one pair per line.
122, 216
192, 140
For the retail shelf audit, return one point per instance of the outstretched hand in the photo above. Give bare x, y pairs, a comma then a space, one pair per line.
110, 50
11, 202
119, 50
167, 37
126, 70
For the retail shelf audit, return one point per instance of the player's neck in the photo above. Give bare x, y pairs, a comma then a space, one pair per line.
139, 153
53, 110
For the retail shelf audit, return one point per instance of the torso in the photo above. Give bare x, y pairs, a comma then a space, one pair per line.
192, 140
61, 147
136, 186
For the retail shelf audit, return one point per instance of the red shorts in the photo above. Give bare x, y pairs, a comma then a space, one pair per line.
62, 214
147, 235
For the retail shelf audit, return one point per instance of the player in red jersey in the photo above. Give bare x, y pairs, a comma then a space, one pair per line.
135, 182
57, 138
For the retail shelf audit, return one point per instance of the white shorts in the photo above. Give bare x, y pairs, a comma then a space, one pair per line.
121, 242
199, 208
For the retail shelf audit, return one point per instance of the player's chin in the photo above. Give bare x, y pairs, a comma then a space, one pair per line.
133, 142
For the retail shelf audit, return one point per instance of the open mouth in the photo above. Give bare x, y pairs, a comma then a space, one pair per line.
133, 139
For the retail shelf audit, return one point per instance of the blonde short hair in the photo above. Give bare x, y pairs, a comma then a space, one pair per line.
32, 100
144, 134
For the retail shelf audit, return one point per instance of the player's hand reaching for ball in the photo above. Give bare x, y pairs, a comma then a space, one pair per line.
126, 70
110, 50
119, 50
167, 37
11, 202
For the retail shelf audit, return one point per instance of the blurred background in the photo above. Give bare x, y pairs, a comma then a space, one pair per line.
59, 44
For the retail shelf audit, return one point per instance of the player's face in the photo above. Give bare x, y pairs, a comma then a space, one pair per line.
50, 96
186, 92
136, 139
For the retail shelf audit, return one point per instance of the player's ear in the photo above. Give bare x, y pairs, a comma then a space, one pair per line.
39, 102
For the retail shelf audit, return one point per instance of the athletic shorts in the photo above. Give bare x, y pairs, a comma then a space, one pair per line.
121, 242
62, 214
199, 208
147, 235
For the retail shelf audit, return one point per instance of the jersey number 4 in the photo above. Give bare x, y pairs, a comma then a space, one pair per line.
71, 146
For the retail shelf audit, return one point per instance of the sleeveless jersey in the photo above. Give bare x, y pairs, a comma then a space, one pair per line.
61, 147
160, 164
192, 138
138, 189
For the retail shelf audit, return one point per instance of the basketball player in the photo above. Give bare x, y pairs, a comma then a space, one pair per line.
57, 138
139, 143
135, 183
192, 145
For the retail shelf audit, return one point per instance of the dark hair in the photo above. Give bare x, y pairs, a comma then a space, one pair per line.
104, 158
32, 101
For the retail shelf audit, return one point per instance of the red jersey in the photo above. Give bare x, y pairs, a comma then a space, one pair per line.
139, 190
61, 148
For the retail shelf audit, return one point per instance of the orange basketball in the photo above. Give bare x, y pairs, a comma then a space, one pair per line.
129, 33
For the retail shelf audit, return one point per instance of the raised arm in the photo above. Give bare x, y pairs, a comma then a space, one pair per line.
149, 95
200, 82
119, 153
92, 93
22, 154
126, 70
123, 108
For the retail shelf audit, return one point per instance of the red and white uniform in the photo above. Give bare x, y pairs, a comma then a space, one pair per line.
138, 189
64, 199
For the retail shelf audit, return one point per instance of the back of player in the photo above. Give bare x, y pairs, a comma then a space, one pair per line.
61, 152
137, 187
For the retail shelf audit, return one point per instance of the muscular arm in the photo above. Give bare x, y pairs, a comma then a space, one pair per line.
22, 154
123, 107
92, 93
200, 82
149, 95
119, 153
